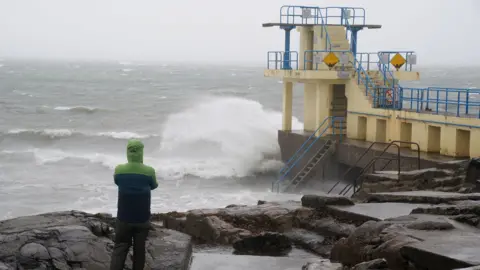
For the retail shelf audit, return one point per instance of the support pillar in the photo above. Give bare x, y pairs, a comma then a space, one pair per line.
287, 106
309, 97
286, 54
322, 104
306, 44
354, 40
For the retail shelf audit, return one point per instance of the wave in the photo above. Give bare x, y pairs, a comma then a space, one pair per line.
217, 137
63, 133
84, 109
221, 137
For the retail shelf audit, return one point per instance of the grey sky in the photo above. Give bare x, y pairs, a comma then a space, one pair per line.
223, 30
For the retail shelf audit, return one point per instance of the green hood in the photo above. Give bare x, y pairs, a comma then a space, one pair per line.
135, 151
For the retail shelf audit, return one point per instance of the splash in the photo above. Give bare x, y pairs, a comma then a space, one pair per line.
220, 137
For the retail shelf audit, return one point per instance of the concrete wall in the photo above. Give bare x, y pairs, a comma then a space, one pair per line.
349, 152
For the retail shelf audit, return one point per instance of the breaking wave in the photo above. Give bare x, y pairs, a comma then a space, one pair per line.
84, 109
217, 137
63, 133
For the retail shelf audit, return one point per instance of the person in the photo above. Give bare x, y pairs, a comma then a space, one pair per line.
135, 182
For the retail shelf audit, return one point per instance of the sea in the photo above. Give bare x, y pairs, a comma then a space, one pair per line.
210, 131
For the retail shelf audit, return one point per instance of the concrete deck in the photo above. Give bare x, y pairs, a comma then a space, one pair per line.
204, 261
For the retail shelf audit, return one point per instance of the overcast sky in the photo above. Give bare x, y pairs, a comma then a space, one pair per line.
223, 30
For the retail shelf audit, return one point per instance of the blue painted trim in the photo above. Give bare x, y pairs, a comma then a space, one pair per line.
438, 122
354, 39
370, 114
286, 56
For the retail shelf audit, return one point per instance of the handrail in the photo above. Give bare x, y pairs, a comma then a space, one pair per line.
309, 161
381, 154
382, 67
295, 159
368, 149
287, 164
353, 41
372, 162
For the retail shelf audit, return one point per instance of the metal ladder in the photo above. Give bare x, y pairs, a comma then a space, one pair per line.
332, 123
327, 148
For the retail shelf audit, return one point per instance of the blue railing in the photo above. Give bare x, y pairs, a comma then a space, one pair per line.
345, 16
339, 15
299, 14
309, 57
388, 78
388, 97
368, 60
459, 102
277, 59
295, 14
405, 54
327, 123
363, 78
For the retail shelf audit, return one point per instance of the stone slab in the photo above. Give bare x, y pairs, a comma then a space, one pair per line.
451, 251
421, 196
379, 211
204, 261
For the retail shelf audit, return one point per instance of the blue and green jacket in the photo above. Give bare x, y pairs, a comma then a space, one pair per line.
135, 182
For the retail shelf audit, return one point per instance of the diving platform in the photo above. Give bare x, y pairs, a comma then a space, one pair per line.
354, 95
283, 25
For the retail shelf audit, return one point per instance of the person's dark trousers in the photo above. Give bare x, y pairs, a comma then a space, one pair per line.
124, 234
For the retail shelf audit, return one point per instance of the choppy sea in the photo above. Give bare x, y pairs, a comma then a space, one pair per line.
210, 131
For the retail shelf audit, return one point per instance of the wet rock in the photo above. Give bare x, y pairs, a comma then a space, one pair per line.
377, 264
320, 202
75, 240
211, 229
265, 244
321, 265
372, 240
235, 205
430, 225
329, 227
426, 179
309, 241
234, 223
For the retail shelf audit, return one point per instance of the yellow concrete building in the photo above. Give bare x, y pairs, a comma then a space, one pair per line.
359, 94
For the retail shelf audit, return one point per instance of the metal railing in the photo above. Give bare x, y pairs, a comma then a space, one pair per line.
292, 162
372, 162
296, 14
277, 59
368, 60
388, 78
459, 102
339, 15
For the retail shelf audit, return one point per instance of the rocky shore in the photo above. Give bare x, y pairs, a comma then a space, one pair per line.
440, 235
351, 234
404, 230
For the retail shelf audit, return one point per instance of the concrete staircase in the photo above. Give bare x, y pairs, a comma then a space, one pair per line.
324, 151
338, 108
375, 80
339, 42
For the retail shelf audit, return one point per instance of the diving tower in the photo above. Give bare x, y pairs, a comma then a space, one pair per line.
358, 96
